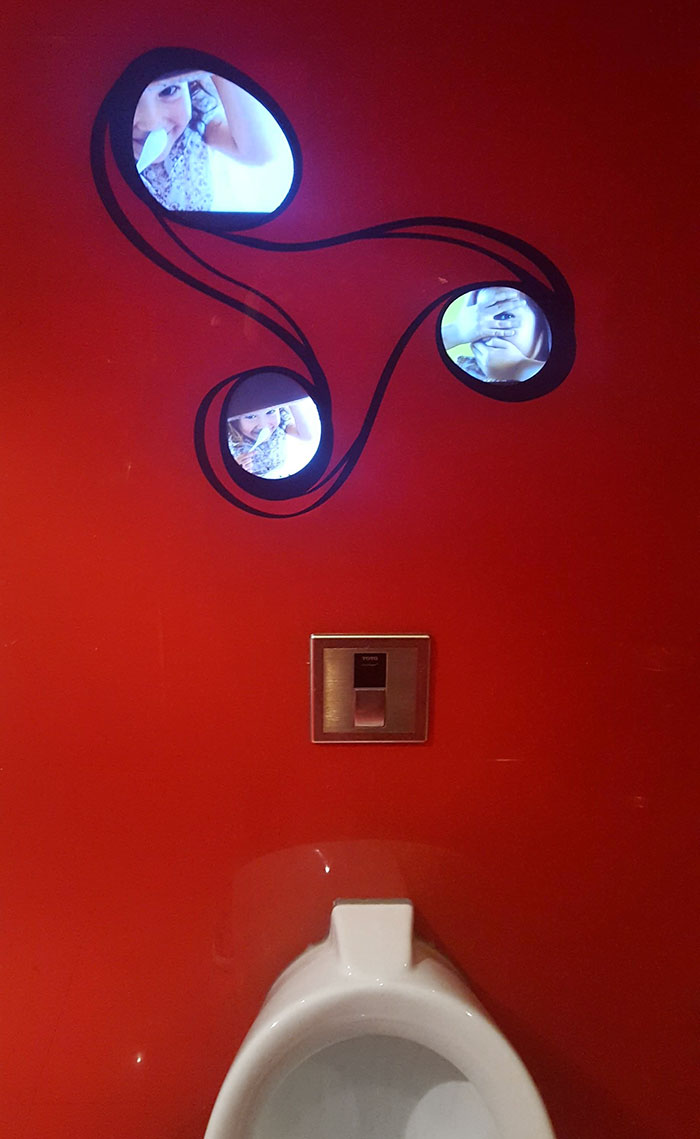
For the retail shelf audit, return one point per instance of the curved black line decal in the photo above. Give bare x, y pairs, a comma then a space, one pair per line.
185, 148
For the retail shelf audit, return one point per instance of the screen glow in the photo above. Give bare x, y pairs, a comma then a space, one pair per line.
496, 334
202, 143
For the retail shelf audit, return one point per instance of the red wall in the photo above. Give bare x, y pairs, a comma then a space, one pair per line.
168, 822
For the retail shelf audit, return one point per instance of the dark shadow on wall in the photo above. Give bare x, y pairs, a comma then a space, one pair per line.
578, 1108
195, 1127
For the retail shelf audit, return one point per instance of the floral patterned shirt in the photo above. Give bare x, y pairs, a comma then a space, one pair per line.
183, 180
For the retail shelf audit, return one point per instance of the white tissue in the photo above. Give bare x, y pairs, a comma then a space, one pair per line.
263, 437
153, 146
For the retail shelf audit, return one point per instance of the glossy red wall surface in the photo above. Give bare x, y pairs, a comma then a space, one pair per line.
172, 838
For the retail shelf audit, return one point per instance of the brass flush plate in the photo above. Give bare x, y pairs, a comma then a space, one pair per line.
370, 689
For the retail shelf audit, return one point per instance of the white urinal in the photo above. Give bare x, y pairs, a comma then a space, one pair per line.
374, 1035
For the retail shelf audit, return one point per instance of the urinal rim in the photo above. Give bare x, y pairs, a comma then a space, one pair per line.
443, 1022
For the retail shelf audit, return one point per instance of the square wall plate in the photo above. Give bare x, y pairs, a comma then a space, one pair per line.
367, 689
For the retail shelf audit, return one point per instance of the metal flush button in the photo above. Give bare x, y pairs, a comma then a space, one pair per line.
369, 683
370, 707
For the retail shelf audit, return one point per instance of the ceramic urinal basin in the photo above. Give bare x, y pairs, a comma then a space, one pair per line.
374, 1035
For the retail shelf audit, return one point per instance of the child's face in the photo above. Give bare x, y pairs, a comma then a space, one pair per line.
164, 105
252, 423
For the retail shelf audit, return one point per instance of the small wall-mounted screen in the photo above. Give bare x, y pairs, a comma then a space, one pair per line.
203, 143
497, 335
274, 428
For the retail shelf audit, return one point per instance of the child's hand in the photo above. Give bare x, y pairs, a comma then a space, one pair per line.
247, 131
498, 312
246, 461
204, 77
